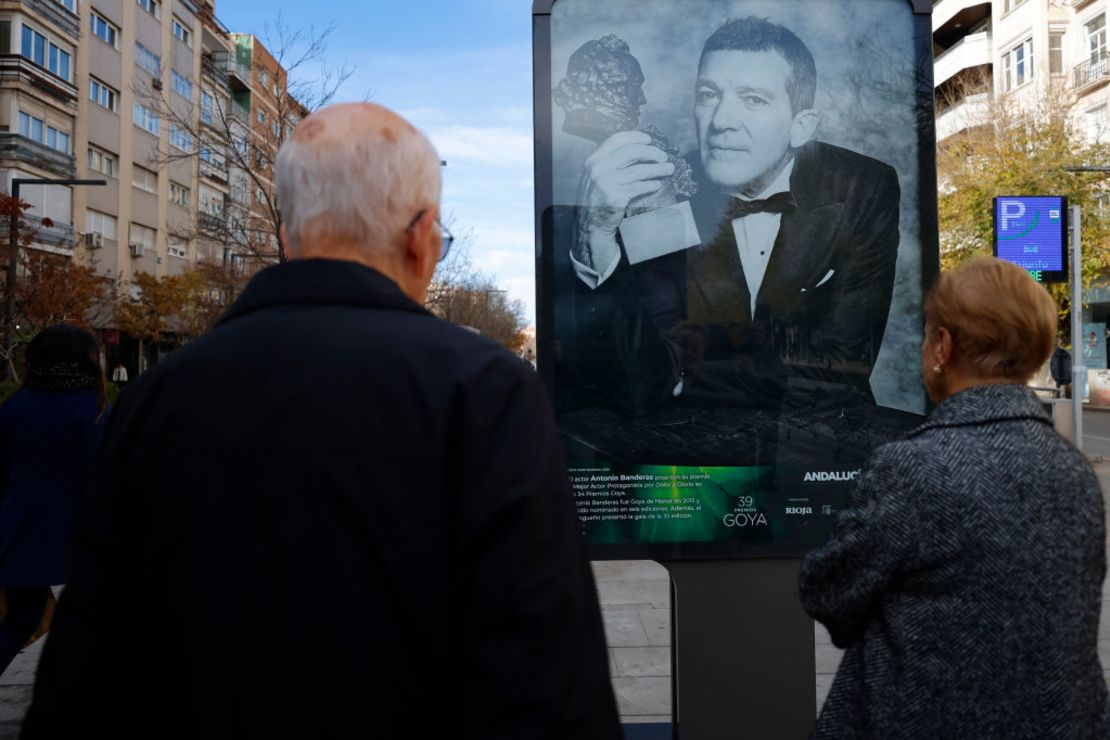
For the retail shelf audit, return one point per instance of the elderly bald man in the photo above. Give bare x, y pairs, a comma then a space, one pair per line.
335, 516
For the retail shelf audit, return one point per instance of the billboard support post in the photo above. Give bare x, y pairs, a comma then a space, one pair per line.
1078, 368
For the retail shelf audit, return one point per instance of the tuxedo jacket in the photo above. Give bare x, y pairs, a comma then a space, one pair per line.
821, 309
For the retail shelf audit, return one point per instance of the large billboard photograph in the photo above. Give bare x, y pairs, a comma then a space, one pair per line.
736, 205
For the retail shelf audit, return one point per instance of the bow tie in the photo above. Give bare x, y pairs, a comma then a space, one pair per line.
777, 203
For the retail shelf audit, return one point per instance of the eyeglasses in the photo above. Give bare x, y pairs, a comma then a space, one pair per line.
446, 238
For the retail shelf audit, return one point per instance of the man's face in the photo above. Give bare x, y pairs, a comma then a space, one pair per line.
744, 118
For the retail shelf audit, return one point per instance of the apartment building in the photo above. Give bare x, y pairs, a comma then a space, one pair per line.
158, 98
1016, 48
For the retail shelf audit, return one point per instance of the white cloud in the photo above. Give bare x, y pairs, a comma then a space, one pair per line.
492, 145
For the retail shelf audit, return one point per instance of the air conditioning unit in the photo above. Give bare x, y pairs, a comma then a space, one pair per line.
94, 240
156, 83
136, 250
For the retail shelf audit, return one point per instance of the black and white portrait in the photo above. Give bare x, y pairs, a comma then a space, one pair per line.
736, 221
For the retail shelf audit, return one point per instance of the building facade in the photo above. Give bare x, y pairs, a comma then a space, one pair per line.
166, 105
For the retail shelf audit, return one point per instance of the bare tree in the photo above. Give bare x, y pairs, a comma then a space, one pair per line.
224, 136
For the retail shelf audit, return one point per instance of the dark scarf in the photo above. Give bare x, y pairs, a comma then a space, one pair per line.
59, 377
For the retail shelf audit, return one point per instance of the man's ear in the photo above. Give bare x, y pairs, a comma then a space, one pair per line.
283, 237
803, 127
422, 248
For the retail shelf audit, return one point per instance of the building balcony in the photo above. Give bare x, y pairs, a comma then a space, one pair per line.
953, 18
239, 112
49, 11
238, 73
60, 237
973, 50
210, 224
15, 68
970, 112
213, 171
1091, 74
213, 69
16, 148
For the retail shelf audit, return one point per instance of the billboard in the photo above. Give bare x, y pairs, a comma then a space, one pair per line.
1032, 232
736, 217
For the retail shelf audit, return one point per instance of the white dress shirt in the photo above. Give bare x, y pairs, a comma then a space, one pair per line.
756, 234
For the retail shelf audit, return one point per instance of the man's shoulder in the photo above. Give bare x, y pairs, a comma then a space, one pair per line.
819, 158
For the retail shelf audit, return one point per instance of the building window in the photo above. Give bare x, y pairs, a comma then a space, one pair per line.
148, 60
211, 201
103, 162
180, 195
259, 197
176, 247
1056, 53
1017, 64
182, 33
263, 77
1096, 40
146, 119
206, 104
182, 85
103, 29
100, 223
144, 179
1095, 123
103, 95
276, 128
35, 128
56, 139
1009, 5
143, 235
151, 6
45, 54
261, 116
70, 5
181, 139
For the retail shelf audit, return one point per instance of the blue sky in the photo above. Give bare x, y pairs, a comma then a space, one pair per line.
460, 70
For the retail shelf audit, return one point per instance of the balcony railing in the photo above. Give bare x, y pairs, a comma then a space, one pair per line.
57, 235
213, 170
233, 68
56, 14
18, 68
1091, 72
210, 224
240, 112
30, 152
214, 69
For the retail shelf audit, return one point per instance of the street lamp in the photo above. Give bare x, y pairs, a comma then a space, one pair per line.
13, 251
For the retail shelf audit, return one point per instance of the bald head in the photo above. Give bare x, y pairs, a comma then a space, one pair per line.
351, 179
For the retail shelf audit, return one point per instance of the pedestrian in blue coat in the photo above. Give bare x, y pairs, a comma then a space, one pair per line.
49, 434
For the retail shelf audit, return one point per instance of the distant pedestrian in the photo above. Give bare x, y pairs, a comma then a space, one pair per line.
335, 515
965, 577
119, 374
49, 438
1060, 366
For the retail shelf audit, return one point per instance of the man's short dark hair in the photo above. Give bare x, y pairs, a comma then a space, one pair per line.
759, 34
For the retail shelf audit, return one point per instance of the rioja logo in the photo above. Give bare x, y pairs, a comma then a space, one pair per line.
798, 510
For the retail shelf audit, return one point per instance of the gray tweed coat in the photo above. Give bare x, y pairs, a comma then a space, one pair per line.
965, 579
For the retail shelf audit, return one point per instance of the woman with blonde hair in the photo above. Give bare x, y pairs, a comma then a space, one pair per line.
964, 578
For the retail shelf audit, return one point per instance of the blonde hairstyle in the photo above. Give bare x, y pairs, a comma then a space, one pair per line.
365, 189
1003, 324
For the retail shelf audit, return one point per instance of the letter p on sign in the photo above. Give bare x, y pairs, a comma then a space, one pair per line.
1011, 209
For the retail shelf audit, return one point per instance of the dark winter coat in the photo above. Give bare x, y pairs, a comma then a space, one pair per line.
48, 444
335, 516
965, 582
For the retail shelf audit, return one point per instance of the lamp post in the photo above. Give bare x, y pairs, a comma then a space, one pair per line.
13, 253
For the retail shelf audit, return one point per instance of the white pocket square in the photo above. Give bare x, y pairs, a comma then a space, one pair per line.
828, 276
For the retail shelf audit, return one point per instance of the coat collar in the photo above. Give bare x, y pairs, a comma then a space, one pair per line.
983, 404
320, 282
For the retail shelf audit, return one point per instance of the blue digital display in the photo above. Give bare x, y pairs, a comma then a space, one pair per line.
1031, 232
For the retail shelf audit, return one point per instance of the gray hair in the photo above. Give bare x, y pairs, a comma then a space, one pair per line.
364, 189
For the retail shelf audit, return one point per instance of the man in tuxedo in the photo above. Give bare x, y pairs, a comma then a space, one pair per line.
779, 281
